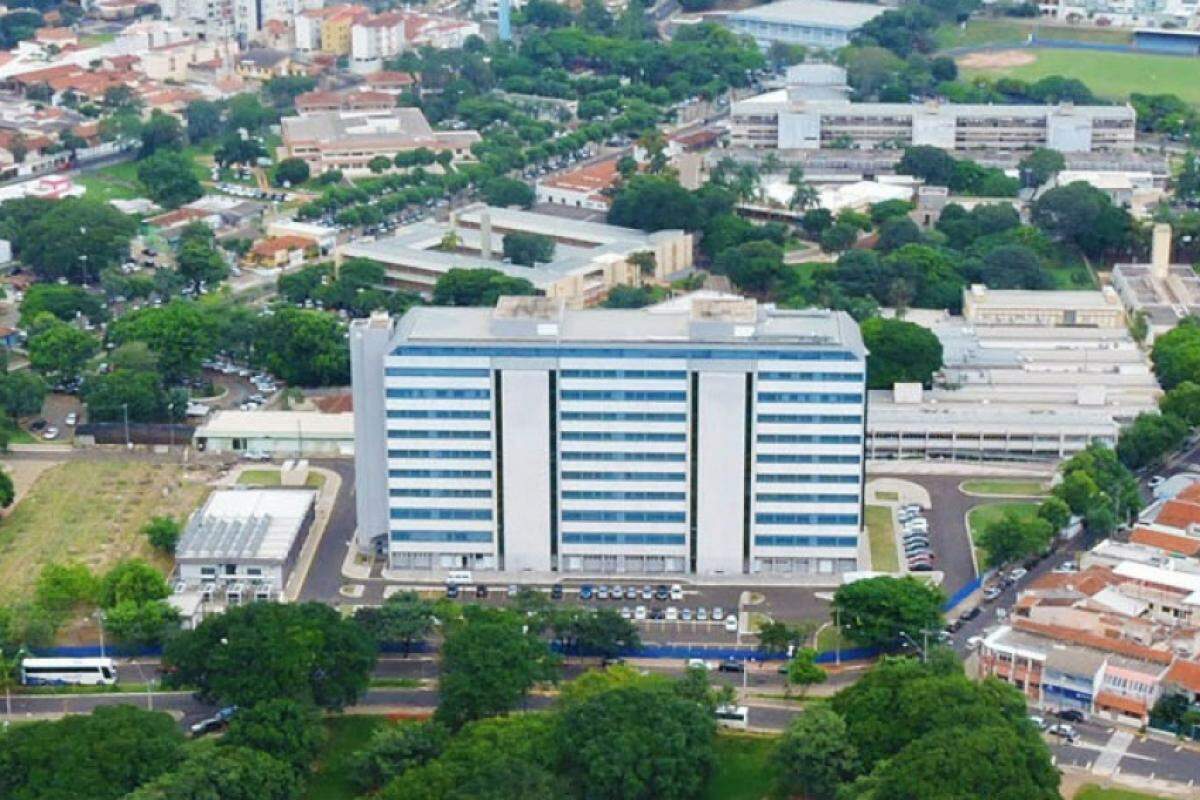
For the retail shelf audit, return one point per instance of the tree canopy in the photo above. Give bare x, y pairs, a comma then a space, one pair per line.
873, 612
900, 352
302, 651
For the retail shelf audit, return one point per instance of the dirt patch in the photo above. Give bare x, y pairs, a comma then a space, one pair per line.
1000, 59
24, 473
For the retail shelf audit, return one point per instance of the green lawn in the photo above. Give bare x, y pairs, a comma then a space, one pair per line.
742, 772
347, 735
883, 539
831, 638
108, 187
1014, 487
1094, 792
981, 516
1112, 75
981, 32
271, 477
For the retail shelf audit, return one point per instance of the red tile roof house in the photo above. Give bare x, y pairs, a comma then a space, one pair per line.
282, 251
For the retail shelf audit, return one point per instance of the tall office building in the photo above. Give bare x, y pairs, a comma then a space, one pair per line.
719, 438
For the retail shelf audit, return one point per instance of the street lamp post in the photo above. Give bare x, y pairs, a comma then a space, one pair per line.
125, 410
99, 616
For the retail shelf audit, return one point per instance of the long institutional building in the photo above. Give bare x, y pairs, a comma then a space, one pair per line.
813, 112
723, 438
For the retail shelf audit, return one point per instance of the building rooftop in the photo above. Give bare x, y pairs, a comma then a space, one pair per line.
278, 423
1082, 299
539, 320
781, 99
819, 13
246, 524
362, 127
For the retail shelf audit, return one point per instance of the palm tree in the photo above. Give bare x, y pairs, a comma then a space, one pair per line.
771, 162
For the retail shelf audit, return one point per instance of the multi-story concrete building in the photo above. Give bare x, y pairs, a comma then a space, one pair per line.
1046, 309
1161, 293
589, 258
825, 24
378, 37
348, 140
721, 439
799, 117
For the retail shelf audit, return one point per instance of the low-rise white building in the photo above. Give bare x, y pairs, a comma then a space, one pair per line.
1160, 292
277, 433
243, 543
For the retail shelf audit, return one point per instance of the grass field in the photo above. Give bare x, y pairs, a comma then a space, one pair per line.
883, 539
347, 734
1015, 487
62, 518
981, 516
981, 32
1112, 75
741, 772
271, 477
831, 638
1094, 792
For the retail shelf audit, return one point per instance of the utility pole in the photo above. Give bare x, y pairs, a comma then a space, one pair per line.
125, 410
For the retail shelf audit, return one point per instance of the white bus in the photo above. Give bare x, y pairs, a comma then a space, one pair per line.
732, 716
59, 671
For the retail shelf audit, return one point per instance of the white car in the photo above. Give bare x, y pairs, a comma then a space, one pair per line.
70, 418
702, 614
731, 624
718, 614
974, 642
676, 592
1018, 573
50, 433
626, 613
697, 663
672, 614
639, 612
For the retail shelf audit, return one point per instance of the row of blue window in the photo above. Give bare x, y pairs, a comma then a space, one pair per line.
440, 493
623, 516
624, 538
651, 374
623, 476
621, 436
439, 413
441, 536
806, 519
622, 416
600, 456
474, 474
805, 541
802, 477
624, 394
768, 497
808, 397
812, 419
802, 458
467, 454
849, 377
438, 372
441, 513
695, 353
597, 495
439, 394
803, 438
408, 434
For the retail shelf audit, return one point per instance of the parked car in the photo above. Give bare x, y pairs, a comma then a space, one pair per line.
697, 663
672, 614
718, 613
973, 642
640, 612
685, 615
663, 592
513, 590
731, 665
631, 593
991, 593
1071, 715
676, 592
51, 432
1038, 721
214, 723
70, 418
731, 624
585, 592
626, 612
452, 591
602, 592
971, 614
702, 614
481, 591
921, 567
556, 592
1018, 573
1063, 731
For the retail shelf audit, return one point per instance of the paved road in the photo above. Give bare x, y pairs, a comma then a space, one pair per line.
325, 575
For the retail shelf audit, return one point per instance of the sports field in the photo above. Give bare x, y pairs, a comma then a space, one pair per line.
1112, 75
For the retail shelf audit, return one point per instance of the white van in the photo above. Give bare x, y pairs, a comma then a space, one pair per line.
458, 577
